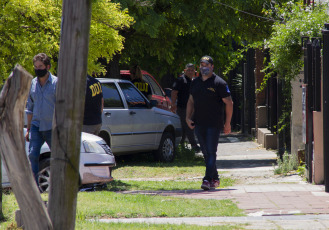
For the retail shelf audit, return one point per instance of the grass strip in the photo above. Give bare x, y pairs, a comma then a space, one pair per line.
115, 205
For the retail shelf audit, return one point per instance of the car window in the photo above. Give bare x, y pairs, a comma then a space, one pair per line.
111, 96
156, 88
133, 96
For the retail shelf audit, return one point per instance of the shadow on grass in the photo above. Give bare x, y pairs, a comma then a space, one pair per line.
184, 157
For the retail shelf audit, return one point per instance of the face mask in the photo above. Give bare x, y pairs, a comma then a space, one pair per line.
205, 70
40, 72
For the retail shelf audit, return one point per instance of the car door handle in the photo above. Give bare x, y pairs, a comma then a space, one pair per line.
132, 113
107, 114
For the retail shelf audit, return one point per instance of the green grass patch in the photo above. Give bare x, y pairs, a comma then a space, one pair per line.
142, 226
116, 205
141, 172
130, 185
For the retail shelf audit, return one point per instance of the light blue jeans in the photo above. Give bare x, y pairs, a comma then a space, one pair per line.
208, 140
37, 139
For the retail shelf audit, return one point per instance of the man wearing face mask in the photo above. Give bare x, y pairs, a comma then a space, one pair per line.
40, 109
209, 94
181, 93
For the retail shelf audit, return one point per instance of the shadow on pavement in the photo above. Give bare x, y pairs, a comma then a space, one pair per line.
231, 164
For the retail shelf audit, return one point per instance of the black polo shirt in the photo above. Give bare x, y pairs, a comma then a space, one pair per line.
182, 85
208, 104
93, 102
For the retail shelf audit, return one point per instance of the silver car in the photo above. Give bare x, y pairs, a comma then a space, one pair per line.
132, 123
96, 163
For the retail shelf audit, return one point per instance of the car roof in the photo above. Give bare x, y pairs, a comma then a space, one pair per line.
104, 80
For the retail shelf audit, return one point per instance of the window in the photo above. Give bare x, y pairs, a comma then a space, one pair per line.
156, 88
134, 97
111, 96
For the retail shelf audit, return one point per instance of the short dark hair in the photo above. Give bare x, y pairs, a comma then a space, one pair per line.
43, 58
189, 65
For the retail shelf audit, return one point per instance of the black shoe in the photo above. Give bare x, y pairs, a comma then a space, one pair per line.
196, 149
205, 185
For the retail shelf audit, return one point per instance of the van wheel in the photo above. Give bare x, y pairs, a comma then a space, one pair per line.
166, 151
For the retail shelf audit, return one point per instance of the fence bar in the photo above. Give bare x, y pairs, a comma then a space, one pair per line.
325, 34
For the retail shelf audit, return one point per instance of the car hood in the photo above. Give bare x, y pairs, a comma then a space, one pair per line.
165, 112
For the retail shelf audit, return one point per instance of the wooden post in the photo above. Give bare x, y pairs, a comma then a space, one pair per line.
12, 148
69, 110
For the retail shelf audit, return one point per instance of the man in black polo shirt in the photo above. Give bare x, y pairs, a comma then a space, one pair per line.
94, 104
181, 93
209, 94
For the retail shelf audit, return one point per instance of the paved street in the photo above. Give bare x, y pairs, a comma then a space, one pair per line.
269, 201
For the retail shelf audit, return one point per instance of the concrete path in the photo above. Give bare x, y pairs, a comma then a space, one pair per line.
269, 201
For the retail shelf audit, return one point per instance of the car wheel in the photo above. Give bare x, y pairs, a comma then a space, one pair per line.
44, 175
166, 150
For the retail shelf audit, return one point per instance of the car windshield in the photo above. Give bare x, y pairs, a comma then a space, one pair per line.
133, 96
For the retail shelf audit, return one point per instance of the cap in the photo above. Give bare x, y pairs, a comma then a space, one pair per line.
207, 59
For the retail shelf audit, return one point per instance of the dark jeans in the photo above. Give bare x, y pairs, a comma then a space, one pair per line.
208, 140
37, 139
187, 132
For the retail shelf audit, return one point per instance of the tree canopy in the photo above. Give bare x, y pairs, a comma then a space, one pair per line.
168, 34
28, 27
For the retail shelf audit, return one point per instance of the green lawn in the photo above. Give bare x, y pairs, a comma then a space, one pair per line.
140, 172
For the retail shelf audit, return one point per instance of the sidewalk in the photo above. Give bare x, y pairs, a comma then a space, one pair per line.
269, 201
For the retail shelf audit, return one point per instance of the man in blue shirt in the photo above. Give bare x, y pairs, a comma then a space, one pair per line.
40, 109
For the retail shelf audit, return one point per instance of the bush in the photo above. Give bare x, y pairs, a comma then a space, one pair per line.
287, 164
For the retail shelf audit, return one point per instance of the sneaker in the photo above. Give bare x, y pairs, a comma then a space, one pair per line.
205, 185
215, 183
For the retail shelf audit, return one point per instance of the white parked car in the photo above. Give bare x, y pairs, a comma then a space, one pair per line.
132, 123
96, 162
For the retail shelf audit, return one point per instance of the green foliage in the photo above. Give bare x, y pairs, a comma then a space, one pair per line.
28, 27
285, 41
288, 163
301, 170
168, 34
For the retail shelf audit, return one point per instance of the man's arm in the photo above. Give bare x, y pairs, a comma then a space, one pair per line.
228, 112
102, 104
28, 127
174, 94
189, 112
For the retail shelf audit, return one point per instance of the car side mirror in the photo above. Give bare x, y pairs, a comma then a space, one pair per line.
153, 103
168, 92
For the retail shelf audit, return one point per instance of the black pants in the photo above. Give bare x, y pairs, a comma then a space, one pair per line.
187, 132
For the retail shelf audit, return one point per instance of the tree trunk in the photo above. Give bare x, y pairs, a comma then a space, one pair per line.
1, 212
12, 147
69, 110
112, 68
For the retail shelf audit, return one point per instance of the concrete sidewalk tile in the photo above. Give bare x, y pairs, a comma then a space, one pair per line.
324, 194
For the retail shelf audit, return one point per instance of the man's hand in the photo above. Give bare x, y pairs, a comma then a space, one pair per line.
173, 108
27, 136
227, 128
190, 123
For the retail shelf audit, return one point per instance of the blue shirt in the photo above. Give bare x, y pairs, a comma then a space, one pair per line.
41, 103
